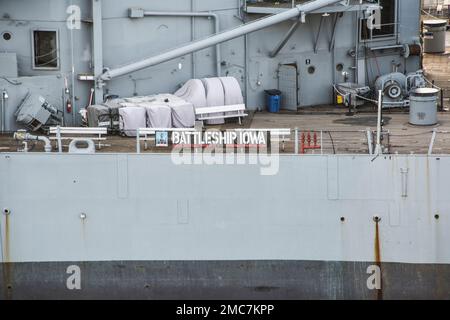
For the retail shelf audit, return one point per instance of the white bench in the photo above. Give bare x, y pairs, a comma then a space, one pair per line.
279, 134
205, 113
146, 132
71, 133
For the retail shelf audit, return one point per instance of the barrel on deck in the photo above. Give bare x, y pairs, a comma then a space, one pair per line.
434, 36
423, 107
273, 100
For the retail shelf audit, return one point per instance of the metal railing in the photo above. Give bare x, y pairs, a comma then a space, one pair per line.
338, 141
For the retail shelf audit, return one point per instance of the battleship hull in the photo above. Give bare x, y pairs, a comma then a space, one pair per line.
143, 226
225, 280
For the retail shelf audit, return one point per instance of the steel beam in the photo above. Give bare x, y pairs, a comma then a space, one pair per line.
285, 39
98, 48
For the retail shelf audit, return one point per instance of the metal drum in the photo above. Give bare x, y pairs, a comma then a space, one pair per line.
423, 107
434, 36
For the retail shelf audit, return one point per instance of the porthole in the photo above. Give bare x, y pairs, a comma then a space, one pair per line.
311, 70
6, 36
339, 67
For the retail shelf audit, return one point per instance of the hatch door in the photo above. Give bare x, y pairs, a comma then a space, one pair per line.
288, 85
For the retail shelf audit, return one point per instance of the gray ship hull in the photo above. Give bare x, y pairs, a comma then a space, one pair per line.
309, 231
207, 280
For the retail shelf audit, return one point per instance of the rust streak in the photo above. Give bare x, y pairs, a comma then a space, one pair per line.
378, 257
7, 266
7, 257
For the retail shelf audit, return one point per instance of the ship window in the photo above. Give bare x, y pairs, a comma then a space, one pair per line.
311, 70
387, 24
388, 19
7, 36
45, 49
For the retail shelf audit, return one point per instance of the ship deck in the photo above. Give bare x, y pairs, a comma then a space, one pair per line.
341, 133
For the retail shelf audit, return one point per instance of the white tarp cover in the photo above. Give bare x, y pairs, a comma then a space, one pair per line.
183, 113
159, 116
233, 93
132, 118
215, 96
232, 90
194, 92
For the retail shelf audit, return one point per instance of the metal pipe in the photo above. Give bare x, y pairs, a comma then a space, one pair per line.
239, 9
378, 149
216, 39
192, 15
193, 57
397, 46
246, 71
357, 47
23, 135
97, 37
3, 110
72, 70
285, 39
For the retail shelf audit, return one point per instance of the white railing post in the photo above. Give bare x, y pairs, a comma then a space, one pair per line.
58, 136
369, 140
433, 140
138, 141
378, 148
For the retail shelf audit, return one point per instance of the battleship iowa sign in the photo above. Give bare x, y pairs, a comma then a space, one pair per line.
213, 137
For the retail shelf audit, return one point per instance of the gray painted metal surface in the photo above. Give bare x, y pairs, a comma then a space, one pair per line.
146, 208
139, 226
8, 64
